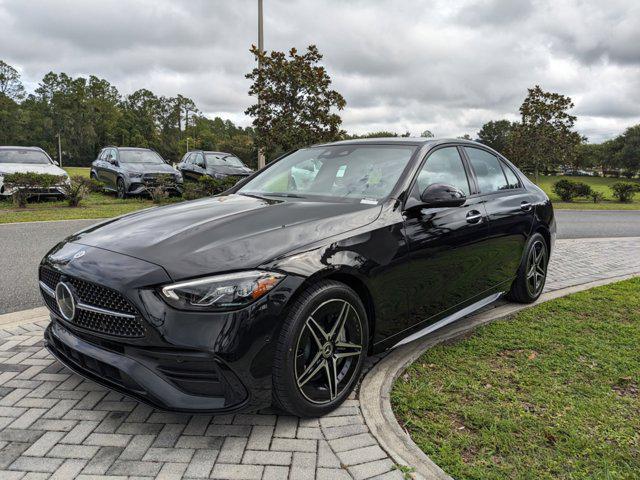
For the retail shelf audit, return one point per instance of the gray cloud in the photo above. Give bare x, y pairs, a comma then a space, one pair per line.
446, 66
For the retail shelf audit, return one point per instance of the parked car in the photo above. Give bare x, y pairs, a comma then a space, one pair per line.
276, 292
30, 159
197, 163
578, 173
130, 171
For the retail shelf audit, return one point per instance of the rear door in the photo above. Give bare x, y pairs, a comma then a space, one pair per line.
448, 245
110, 171
100, 165
510, 210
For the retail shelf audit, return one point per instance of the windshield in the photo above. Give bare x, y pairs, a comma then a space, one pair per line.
217, 160
139, 156
365, 172
24, 156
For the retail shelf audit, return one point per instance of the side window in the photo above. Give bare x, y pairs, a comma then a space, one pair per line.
188, 158
197, 159
444, 166
114, 153
488, 170
512, 178
103, 155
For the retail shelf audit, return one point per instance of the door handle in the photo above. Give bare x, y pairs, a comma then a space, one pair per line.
474, 216
525, 206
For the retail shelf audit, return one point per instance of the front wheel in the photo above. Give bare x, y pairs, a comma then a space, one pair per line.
121, 191
321, 350
532, 274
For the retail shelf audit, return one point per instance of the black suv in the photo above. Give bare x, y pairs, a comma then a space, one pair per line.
197, 163
130, 171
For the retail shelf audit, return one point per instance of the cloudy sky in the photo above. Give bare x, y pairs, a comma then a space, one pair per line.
447, 66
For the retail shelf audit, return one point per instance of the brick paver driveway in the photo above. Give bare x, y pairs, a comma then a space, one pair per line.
54, 424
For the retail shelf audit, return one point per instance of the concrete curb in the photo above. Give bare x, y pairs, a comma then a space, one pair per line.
375, 391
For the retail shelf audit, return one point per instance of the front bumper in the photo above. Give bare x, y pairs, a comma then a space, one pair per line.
214, 362
134, 372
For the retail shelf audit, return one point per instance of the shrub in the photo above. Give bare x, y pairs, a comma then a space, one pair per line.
159, 190
25, 184
207, 187
567, 190
624, 192
596, 196
78, 188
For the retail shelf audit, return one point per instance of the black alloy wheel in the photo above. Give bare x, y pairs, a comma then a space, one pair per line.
532, 274
321, 350
120, 189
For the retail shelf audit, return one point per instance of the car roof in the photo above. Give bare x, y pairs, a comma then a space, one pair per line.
131, 148
398, 141
210, 151
8, 147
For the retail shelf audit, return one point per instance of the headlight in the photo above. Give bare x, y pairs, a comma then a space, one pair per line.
219, 176
220, 292
135, 174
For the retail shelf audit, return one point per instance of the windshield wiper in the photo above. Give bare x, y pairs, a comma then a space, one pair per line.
283, 194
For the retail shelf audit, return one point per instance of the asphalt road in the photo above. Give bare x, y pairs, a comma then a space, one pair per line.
22, 245
598, 223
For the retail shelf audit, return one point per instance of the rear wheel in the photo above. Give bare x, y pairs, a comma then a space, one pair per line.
321, 350
532, 274
121, 189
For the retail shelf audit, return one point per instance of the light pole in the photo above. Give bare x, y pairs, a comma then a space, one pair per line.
261, 159
59, 150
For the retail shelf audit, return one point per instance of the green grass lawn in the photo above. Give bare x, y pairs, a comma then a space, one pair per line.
96, 205
82, 171
551, 393
600, 184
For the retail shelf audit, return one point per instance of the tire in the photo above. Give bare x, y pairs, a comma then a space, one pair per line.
532, 273
121, 191
313, 349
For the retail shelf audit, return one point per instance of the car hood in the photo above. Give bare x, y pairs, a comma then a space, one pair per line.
6, 168
148, 168
230, 170
223, 233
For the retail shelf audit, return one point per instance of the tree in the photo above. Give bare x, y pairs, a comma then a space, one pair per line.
496, 134
589, 155
628, 154
297, 105
544, 138
427, 134
10, 84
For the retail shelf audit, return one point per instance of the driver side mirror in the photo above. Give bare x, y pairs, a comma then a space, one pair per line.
437, 195
112, 161
442, 195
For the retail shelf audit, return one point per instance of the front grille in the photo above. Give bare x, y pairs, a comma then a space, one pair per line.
96, 296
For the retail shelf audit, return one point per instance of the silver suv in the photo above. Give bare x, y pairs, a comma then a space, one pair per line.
130, 171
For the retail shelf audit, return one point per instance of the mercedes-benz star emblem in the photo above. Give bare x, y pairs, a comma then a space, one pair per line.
66, 302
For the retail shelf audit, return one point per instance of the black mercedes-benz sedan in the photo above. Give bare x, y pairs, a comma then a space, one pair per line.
275, 291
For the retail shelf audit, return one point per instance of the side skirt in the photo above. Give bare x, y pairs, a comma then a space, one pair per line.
451, 318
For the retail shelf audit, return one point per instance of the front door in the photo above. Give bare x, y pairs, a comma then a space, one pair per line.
447, 245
